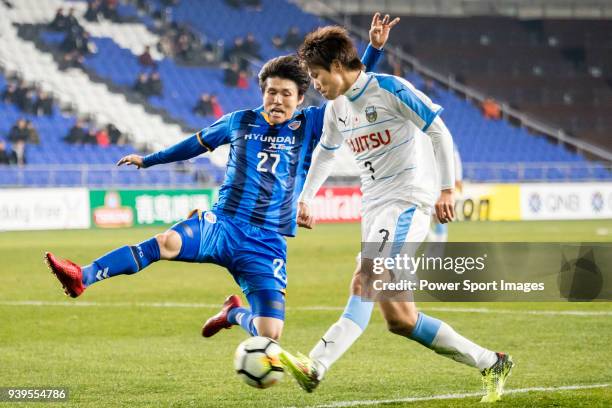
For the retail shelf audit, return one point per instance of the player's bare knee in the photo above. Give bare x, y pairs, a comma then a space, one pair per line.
169, 244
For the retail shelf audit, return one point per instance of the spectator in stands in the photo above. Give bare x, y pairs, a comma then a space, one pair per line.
216, 107
251, 46
155, 86
184, 47
146, 60
110, 10
231, 75
60, 21
19, 132
491, 109
71, 21
71, 60
77, 133
115, 135
243, 80
7, 156
27, 103
9, 95
33, 136
19, 135
141, 85
237, 53
102, 137
21, 93
44, 104
292, 39
94, 11
204, 106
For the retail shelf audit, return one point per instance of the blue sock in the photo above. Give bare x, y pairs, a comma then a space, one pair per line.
425, 329
122, 261
244, 317
358, 311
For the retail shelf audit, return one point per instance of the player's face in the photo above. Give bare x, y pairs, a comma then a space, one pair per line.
281, 98
327, 83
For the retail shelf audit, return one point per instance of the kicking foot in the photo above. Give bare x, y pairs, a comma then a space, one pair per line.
68, 273
494, 378
303, 369
219, 321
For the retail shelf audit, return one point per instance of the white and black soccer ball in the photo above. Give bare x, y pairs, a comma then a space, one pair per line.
257, 362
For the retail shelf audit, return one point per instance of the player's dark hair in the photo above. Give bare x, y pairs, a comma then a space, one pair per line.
326, 44
285, 67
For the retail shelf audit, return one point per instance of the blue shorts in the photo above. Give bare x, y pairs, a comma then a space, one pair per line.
254, 256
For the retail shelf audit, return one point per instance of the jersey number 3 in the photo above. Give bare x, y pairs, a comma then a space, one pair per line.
263, 158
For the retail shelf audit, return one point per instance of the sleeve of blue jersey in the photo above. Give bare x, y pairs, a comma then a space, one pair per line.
371, 57
205, 140
217, 134
184, 150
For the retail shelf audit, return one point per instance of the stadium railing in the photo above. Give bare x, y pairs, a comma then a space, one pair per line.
189, 175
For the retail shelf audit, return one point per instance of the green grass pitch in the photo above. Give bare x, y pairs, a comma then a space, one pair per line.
120, 347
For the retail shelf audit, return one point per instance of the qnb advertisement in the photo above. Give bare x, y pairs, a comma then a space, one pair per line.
44, 209
559, 201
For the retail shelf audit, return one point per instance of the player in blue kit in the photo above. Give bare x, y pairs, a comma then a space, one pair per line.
270, 153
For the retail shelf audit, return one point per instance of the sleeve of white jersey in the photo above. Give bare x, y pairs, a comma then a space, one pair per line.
458, 166
442, 142
323, 156
412, 104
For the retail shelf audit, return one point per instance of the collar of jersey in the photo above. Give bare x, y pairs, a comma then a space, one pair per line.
359, 87
263, 114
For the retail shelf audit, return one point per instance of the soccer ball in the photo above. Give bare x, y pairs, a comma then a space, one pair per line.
257, 362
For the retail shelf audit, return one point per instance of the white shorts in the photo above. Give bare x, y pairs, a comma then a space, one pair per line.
394, 223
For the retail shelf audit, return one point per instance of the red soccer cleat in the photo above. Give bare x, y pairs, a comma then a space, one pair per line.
219, 321
69, 274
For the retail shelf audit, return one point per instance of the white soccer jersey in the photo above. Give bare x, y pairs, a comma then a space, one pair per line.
382, 119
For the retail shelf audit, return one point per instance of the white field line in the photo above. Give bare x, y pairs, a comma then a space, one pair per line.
340, 404
172, 305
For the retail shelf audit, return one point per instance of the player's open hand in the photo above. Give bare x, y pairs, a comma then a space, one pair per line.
305, 218
445, 207
379, 30
131, 159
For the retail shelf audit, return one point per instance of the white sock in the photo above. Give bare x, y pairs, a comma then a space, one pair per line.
334, 343
451, 344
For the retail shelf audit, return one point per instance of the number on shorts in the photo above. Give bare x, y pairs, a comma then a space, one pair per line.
278, 266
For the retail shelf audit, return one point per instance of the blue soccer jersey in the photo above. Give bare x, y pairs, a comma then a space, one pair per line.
267, 165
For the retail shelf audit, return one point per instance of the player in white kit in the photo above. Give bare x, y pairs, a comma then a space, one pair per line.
405, 152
